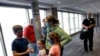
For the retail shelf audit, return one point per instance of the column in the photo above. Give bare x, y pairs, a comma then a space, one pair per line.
54, 11
36, 18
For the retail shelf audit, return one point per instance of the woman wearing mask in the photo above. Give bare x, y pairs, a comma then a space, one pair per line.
53, 26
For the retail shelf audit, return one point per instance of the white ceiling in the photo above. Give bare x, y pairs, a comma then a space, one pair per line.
83, 5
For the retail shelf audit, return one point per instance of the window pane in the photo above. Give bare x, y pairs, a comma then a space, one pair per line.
60, 19
42, 15
80, 21
66, 22
8, 17
72, 22
76, 22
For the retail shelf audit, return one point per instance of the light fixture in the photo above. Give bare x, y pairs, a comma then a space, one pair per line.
76, 7
59, 2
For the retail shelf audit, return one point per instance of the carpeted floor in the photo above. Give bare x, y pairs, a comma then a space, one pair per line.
75, 47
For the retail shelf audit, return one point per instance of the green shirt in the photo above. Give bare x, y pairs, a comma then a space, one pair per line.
65, 38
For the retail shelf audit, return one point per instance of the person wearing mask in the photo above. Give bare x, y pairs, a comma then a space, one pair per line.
88, 25
20, 44
44, 30
55, 47
53, 26
29, 34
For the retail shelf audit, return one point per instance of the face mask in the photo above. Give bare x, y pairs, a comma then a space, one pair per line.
51, 41
48, 25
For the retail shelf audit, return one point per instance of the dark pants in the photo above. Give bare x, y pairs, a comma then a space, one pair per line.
88, 37
62, 48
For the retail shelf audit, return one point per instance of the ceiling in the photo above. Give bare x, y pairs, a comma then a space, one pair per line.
82, 5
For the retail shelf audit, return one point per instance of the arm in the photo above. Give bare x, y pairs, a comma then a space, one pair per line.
65, 38
51, 55
52, 51
93, 23
84, 26
15, 53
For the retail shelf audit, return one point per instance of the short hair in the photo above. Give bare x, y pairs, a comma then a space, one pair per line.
17, 28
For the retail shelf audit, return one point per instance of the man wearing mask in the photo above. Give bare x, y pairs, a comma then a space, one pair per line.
88, 25
29, 34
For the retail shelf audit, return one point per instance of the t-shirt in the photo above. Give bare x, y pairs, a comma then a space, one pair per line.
42, 52
20, 45
88, 22
29, 33
55, 50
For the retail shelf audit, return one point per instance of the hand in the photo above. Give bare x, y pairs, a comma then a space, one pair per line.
29, 50
86, 28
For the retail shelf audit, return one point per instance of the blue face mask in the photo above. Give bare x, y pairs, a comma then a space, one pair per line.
48, 25
51, 41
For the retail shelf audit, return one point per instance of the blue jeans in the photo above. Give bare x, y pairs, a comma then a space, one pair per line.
34, 46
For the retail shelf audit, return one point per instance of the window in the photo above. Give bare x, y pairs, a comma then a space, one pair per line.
10, 16
42, 15
60, 18
80, 21
66, 22
76, 22
72, 23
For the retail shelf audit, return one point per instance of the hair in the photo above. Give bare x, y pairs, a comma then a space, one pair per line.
55, 37
17, 28
43, 42
52, 19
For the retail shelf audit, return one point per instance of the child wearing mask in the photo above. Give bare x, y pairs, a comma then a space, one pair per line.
41, 46
19, 45
55, 41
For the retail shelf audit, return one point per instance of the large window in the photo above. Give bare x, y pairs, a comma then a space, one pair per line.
42, 15
80, 21
76, 22
66, 22
72, 23
8, 17
60, 18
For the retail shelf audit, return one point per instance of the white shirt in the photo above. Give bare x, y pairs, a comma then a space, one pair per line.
42, 52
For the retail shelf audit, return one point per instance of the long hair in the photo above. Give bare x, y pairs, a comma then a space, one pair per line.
43, 43
55, 37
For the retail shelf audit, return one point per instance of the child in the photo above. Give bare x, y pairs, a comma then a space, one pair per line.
41, 46
19, 45
55, 42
